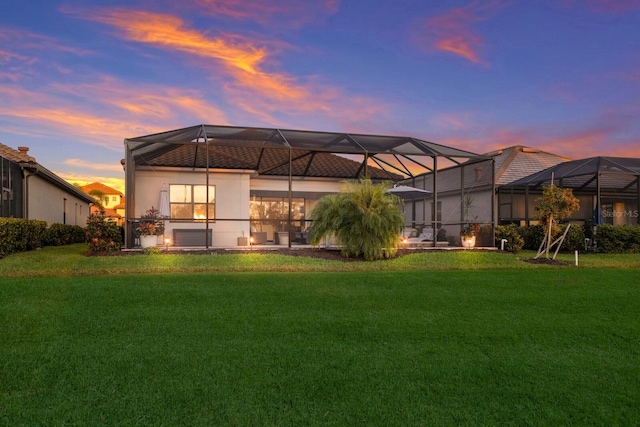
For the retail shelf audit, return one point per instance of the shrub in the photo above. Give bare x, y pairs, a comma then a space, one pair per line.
617, 239
515, 242
574, 241
63, 234
365, 218
151, 250
19, 235
532, 236
102, 235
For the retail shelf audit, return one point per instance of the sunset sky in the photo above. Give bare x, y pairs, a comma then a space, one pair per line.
78, 77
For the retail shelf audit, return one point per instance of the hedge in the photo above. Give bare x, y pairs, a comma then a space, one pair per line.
534, 234
19, 235
63, 234
617, 239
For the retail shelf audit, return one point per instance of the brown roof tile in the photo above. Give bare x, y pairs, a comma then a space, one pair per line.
15, 155
105, 189
267, 162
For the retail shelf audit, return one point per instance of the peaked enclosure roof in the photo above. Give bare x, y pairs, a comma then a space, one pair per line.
284, 152
399, 156
607, 172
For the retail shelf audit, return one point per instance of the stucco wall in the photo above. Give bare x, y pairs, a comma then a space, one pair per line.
305, 185
231, 201
47, 202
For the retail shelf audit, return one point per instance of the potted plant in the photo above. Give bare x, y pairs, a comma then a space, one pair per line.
468, 235
470, 229
151, 226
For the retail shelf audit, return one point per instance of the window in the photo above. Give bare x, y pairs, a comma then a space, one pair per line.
114, 198
271, 214
188, 202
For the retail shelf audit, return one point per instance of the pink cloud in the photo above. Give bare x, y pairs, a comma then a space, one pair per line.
239, 64
24, 41
105, 112
452, 31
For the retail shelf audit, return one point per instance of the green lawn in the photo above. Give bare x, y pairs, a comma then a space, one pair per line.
515, 345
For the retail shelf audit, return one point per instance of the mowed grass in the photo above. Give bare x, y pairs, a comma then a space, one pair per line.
533, 346
72, 261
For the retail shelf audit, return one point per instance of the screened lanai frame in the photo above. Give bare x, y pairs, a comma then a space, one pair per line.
399, 157
600, 178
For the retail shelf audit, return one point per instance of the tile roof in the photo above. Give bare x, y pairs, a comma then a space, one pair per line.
516, 162
15, 155
104, 189
266, 162
122, 204
511, 164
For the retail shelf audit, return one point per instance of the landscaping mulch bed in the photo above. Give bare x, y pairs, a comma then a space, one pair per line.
320, 253
547, 261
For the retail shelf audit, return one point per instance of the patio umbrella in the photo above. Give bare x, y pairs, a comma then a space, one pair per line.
163, 205
409, 193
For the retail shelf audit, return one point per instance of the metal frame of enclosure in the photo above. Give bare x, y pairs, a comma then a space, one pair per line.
398, 157
600, 180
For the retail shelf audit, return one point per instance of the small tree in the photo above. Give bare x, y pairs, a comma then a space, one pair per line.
555, 205
364, 217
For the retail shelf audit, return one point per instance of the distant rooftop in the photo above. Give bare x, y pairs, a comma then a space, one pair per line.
104, 189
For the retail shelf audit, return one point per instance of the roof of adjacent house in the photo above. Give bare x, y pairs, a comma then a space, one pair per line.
518, 161
511, 163
122, 203
399, 156
104, 189
17, 156
28, 162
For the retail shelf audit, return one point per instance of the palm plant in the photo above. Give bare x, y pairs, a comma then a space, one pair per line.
364, 217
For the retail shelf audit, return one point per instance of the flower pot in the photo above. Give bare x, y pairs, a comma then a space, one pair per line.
147, 241
468, 242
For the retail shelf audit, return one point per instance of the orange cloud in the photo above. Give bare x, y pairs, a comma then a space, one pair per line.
151, 102
119, 110
239, 62
84, 179
450, 32
169, 32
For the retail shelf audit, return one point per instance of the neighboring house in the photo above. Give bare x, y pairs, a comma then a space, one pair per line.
608, 189
111, 201
217, 185
469, 188
31, 191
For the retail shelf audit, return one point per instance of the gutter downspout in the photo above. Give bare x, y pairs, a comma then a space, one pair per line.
25, 190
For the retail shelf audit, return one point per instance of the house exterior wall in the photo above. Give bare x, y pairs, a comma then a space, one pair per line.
232, 198
50, 203
302, 185
231, 201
